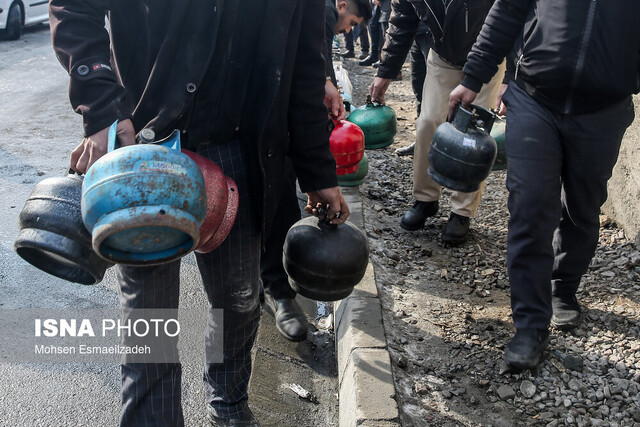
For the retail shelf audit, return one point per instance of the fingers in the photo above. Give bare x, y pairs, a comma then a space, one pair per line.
328, 204
338, 211
79, 158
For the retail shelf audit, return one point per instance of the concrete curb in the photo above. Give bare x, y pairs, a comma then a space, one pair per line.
365, 381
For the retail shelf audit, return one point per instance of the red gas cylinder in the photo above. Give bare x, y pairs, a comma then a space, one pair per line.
347, 146
222, 203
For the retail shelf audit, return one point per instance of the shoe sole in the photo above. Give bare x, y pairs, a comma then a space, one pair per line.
566, 326
517, 363
411, 227
454, 241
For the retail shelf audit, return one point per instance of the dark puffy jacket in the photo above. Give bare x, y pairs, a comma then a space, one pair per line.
572, 56
454, 29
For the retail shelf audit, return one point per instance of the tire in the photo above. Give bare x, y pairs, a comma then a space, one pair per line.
13, 31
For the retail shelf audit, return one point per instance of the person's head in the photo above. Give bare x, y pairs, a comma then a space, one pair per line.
351, 13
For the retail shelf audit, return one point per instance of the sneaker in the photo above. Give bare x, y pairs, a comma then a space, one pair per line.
363, 55
525, 349
457, 229
348, 54
566, 312
369, 60
415, 217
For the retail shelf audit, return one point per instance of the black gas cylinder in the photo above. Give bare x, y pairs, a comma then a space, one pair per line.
325, 261
462, 153
52, 235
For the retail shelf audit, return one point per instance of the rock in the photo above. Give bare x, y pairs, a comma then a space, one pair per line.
403, 362
605, 220
421, 388
573, 363
576, 385
505, 392
528, 389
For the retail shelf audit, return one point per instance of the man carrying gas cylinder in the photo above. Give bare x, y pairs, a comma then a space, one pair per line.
291, 322
574, 66
453, 26
244, 83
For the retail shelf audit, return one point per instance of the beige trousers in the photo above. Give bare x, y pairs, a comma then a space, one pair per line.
441, 79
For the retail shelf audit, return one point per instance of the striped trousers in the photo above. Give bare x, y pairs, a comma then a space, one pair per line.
151, 392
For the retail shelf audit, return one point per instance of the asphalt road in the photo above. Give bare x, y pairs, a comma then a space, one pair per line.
38, 129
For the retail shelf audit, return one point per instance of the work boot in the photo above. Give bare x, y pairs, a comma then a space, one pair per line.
348, 54
364, 55
245, 419
566, 312
290, 320
406, 151
369, 60
525, 349
414, 218
456, 230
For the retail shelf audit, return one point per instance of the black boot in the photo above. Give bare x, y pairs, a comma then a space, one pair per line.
406, 151
456, 230
290, 320
414, 218
348, 54
566, 312
244, 418
369, 60
525, 349
364, 55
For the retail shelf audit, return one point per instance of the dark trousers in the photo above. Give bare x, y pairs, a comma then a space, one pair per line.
557, 172
358, 31
151, 392
274, 278
418, 55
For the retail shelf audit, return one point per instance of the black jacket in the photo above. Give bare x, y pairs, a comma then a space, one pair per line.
331, 21
572, 56
157, 56
454, 29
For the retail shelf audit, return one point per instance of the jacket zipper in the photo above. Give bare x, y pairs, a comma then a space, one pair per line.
582, 55
515, 77
466, 17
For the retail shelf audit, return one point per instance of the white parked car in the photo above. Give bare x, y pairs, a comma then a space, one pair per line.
15, 14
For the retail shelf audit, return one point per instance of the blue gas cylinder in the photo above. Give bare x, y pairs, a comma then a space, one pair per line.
143, 204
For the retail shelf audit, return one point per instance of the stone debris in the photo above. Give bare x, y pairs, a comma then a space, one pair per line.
447, 314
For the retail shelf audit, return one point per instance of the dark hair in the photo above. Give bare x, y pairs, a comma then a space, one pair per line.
361, 8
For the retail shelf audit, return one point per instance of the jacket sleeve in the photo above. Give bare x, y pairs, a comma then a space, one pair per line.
403, 26
329, 32
309, 125
501, 28
81, 43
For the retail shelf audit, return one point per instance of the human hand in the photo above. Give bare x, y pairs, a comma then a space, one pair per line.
95, 146
500, 108
460, 95
378, 88
329, 200
333, 101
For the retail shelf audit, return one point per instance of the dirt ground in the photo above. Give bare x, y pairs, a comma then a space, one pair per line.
447, 314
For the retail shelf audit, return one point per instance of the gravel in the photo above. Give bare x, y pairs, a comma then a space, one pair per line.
447, 315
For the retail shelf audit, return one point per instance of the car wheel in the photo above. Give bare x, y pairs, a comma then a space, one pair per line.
13, 31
